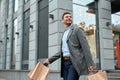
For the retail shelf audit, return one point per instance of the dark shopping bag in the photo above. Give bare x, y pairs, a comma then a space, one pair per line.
39, 72
99, 75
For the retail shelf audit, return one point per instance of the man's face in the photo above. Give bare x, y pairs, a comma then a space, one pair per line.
67, 19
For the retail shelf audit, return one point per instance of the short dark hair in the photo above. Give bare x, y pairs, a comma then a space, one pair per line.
65, 14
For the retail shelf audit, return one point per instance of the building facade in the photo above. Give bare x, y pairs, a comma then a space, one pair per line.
31, 31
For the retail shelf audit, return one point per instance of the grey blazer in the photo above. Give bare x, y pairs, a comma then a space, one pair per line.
79, 51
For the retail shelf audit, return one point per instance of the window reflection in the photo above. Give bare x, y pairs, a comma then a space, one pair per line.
80, 14
85, 18
116, 19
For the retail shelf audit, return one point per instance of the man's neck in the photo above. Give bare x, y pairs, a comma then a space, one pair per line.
66, 26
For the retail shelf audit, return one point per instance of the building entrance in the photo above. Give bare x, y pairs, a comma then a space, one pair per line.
116, 31
116, 43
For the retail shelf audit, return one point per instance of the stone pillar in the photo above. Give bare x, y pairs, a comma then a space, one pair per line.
9, 35
105, 34
19, 29
33, 33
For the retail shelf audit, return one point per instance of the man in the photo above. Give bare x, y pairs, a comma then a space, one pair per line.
75, 53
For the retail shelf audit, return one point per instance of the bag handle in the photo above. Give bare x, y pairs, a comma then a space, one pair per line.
95, 71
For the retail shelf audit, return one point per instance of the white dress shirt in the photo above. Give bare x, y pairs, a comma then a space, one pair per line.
65, 49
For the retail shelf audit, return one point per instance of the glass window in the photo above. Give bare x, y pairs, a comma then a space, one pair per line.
5, 47
43, 29
25, 47
80, 14
116, 38
84, 16
116, 18
7, 8
15, 5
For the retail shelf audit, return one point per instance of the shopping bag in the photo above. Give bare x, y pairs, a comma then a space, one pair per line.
39, 72
99, 75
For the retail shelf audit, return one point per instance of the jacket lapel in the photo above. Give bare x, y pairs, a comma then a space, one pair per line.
71, 30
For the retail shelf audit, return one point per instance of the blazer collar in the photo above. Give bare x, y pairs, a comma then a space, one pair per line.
71, 30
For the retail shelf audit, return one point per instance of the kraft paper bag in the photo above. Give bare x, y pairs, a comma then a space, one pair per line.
99, 75
39, 72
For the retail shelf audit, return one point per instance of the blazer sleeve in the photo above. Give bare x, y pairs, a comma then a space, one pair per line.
54, 57
85, 47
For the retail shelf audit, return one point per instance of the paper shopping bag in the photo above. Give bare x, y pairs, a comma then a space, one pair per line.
39, 72
99, 75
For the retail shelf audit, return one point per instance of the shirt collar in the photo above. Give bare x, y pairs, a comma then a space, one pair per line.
67, 28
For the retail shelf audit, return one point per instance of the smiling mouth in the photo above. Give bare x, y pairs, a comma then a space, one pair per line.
69, 21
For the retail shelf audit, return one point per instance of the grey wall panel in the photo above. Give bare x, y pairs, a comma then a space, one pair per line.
106, 4
54, 39
106, 41
108, 54
107, 33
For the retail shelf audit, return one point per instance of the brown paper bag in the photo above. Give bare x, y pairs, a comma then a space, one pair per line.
39, 72
99, 75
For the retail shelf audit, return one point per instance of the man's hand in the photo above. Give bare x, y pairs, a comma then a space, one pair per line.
46, 62
91, 68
